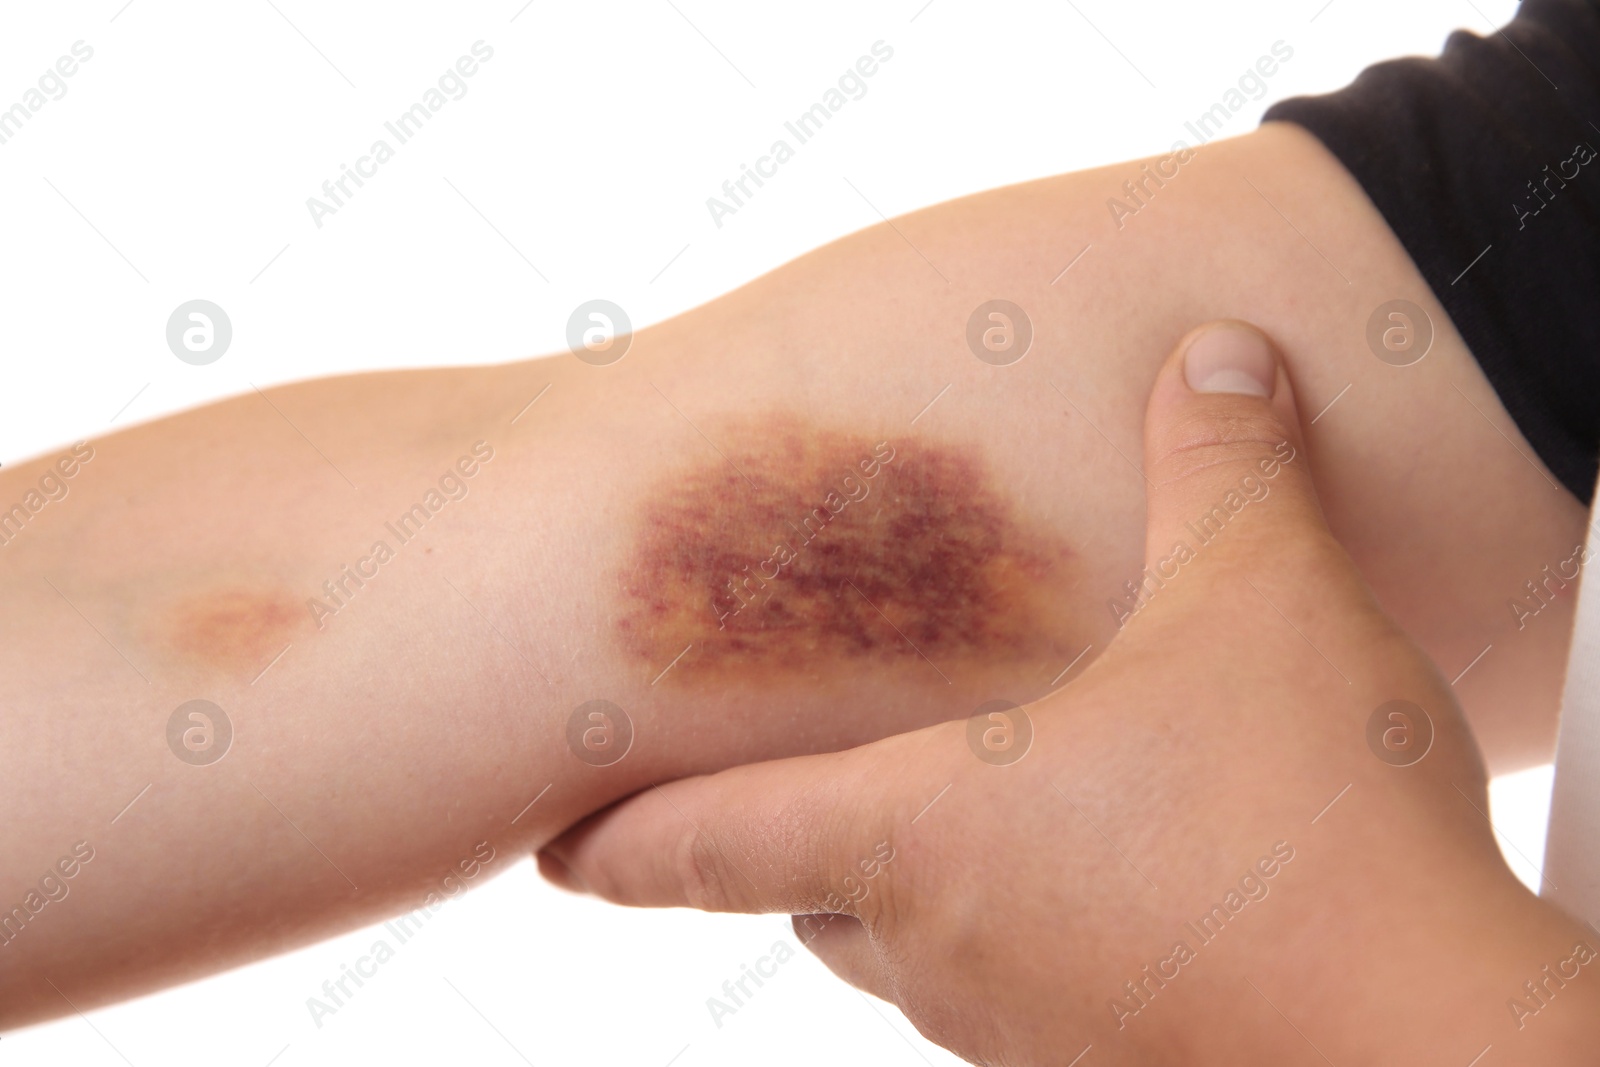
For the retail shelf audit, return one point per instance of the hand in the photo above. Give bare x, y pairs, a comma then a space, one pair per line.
1225, 844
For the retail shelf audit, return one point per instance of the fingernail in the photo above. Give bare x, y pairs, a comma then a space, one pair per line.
1230, 358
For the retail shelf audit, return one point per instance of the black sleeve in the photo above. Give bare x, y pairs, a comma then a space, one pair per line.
1483, 162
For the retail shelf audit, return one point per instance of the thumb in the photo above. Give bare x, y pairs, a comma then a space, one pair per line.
1224, 453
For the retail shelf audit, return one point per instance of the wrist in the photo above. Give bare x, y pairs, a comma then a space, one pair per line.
1410, 982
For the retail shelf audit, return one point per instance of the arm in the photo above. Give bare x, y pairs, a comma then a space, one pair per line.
1234, 839
423, 715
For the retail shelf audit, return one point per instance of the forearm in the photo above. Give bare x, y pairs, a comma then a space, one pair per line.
420, 709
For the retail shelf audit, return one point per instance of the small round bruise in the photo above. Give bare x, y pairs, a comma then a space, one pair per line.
803, 547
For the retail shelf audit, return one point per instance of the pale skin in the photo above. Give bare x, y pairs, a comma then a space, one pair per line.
425, 714
1199, 860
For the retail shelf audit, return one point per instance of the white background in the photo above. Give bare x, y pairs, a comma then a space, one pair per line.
178, 164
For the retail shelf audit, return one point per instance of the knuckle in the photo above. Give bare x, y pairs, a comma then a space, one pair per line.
700, 869
606, 876
1205, 441
882, 912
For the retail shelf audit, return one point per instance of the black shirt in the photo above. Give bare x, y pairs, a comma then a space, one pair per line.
1486, 164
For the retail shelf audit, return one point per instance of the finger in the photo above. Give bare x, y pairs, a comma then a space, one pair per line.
1224, 452
846, 949
558, 874
791, 836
